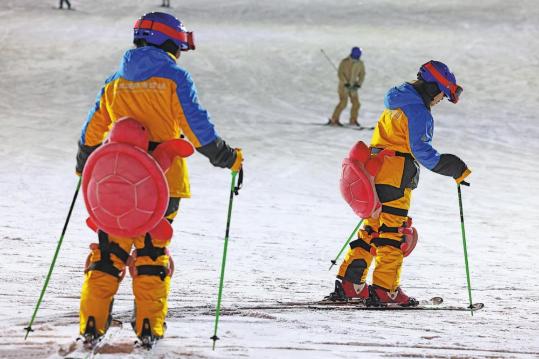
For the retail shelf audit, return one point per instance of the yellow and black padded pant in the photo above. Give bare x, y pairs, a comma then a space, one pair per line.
150, 287
394, 183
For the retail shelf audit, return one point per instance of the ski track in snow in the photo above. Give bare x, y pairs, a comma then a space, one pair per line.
259, 71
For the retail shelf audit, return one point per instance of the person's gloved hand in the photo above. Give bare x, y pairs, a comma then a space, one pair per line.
451, 165
347, 85
463, 175
236, 166
82, 156
356, 86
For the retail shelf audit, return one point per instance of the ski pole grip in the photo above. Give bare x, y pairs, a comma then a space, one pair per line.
240, 182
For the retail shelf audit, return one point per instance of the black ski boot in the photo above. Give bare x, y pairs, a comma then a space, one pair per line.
90, 336
338, 294
147, 339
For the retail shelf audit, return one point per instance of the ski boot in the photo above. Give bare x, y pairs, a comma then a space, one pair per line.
380, 297
147, 339
334, 123
348, 291
90, 337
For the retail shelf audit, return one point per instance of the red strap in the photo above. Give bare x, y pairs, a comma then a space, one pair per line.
438, 76
157, 26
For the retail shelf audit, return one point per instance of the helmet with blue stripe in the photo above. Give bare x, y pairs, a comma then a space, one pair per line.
439, 73
156, 28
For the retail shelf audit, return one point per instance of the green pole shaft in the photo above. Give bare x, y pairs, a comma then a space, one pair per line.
223, 262
51, 268
334, 261
465, 250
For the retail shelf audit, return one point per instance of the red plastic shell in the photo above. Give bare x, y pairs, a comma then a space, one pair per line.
125, 191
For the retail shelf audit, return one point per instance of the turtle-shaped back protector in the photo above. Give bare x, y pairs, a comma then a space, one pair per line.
124, 187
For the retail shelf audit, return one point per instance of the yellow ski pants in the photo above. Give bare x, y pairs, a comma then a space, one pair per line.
150, 286
394, 189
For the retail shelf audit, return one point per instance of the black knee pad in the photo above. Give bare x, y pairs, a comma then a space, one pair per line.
355, 270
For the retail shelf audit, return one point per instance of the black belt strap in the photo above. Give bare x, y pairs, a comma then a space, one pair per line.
360, 243
395, 211
149, 250
159, 271
375, 150
153, 145
378, 242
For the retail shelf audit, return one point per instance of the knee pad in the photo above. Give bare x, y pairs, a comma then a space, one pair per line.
100, 257
355, 271
151, 260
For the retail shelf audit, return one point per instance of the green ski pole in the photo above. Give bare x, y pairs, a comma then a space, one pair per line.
464, 246
334, 261
234, 190
29, 327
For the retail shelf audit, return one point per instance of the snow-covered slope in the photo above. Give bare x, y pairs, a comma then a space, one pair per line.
259, 71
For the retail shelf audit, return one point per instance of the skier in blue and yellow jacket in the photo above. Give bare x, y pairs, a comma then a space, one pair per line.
406, 127
150, 87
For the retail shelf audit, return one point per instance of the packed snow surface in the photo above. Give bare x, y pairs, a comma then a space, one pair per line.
260, 73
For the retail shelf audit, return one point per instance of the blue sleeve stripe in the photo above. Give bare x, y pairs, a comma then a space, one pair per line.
198, 119
94, 109
420, 131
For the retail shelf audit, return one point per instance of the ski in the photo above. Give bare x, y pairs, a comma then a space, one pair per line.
360, 302
359, 128
86, 349
352, 127
147, 343
434, 303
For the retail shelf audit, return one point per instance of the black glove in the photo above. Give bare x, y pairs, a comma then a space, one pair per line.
451, 165
219, 153
356, 86
82, 156
347, 85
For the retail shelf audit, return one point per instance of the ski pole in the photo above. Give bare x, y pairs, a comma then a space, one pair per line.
332, 64
464, 246
334, 261
234, 190
329, 60
29, 327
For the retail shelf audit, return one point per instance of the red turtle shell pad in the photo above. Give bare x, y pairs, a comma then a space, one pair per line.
357, 188
125, 191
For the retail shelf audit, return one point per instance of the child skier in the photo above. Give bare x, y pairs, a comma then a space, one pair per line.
150, 87
405, 127
351, 74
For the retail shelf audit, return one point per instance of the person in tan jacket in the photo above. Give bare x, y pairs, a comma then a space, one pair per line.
351, 74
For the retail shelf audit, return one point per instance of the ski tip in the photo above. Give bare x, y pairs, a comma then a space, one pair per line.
437, 300
476, 306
